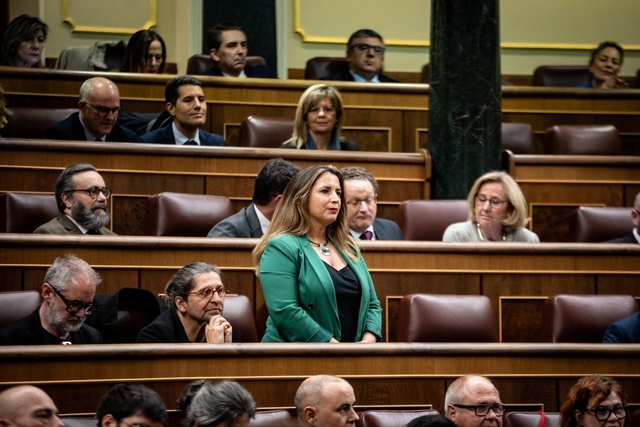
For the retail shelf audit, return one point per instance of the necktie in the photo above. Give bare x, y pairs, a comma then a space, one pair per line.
191, 142
367, 235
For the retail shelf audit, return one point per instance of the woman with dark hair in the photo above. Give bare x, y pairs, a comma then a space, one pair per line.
316, 285
146, 53
594, 401
24, 41
604, 66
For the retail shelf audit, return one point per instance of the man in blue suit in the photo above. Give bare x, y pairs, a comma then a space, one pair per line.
361, 193
626, 330
186, 104
228, 50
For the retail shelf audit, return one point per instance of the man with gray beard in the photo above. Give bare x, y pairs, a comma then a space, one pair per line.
81, 196
67, 292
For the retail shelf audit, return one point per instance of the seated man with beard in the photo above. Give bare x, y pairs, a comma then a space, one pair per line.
82, 200
67, 292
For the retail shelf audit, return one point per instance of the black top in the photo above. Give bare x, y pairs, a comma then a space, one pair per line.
348, 297
167, 328
29, 331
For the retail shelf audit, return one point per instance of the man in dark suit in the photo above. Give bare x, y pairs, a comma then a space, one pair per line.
365, 55
626, 330
82, 197
634, 237
186, 104
67, 292
228, 50
268, 187
99, 107
361, 194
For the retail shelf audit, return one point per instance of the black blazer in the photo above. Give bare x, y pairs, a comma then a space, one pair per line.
345, 76
626, 239
257, 71
242, 224
29, 331
168, 328
386, 229
71, 129
165, 136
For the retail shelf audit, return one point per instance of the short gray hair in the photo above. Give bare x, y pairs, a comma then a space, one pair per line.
311, 391
220, 402
182, 282
357, 172
68, 267
456, 392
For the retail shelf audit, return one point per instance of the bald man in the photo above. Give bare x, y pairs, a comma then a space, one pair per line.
99, 107
325, 401
27, 406
473, 401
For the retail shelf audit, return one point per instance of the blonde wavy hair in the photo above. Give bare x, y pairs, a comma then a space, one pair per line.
308, 100
517, 216
292, 214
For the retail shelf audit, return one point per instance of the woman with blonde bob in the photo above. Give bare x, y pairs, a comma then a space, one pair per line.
594, 401
316, 285
319, 119
497, 213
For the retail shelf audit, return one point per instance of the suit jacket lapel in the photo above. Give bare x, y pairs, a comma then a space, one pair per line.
69, 225
321, 272
255, 229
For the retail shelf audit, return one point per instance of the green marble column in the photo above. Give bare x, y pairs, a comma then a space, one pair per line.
464, 98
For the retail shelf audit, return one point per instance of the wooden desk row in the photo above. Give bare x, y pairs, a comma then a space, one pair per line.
381, 374
381, 117
136, 171
516, 277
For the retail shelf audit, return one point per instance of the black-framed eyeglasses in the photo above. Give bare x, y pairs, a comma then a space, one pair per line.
94, 191
483, 410
104, 111
363, 47
494, 202
208, 292
74, 307
602, 414
132, 425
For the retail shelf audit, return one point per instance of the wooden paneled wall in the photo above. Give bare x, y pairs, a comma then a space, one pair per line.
516, 277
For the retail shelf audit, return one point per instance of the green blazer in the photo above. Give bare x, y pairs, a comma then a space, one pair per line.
301, 298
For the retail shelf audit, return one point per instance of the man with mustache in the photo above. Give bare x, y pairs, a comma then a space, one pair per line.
99, 108
186, 104
81, 196
67, 293
195, 297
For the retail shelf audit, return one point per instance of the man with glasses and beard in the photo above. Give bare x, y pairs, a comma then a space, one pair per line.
195, 297
67, 292
81, 196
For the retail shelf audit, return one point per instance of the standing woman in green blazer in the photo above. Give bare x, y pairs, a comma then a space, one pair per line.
315, 282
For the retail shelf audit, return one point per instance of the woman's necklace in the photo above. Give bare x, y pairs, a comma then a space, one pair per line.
504, 235
324, 250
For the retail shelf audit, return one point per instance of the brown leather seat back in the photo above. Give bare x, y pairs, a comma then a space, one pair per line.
16, 305
583, 139
24, 212
392, 417
446, 318
518, 138
324, 66
583, 318
561, 76
239, 311
199, 63
427, 219
190, 215
530, 419
30, 123
274, 418
262, 131
599, 224
425, 73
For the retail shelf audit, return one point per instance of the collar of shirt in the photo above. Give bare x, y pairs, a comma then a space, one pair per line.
360, 79
636, 234
356, 235
242, 74
180, 138
83, 229
264, 221
88, 134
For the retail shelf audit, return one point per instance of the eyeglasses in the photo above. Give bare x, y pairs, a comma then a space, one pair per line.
603, 414
149, 58
208, 292
369, 201
494, 202
483, 410
132, 425
94, 191
363, 47
104, 111
75, 306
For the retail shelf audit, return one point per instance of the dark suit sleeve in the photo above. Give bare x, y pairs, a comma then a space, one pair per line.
52, 133
151, 333
225, 228
614, 334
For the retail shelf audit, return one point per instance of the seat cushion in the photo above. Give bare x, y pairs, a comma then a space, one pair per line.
274, 418
324, 66
518, 138
582, 140
16, 305
392, 417
239, 311
267, 132
599, 224
428, 219
24, 212
530, 419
